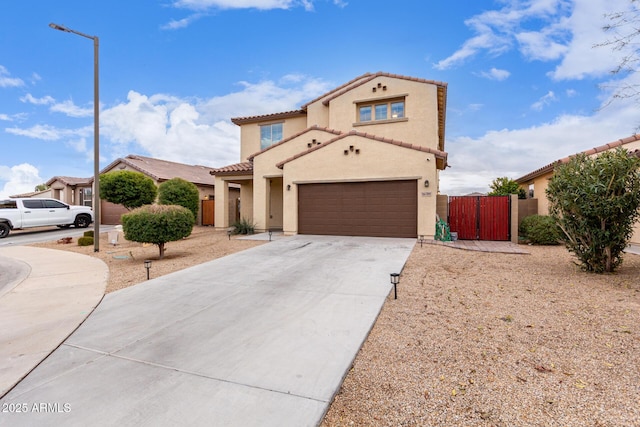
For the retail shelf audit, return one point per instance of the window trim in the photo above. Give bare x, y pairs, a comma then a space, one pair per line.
260, 126
376, 102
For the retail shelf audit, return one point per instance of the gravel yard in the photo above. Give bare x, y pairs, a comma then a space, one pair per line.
482, 339
474, 339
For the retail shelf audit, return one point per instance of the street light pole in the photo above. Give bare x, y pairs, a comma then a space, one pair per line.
96, 134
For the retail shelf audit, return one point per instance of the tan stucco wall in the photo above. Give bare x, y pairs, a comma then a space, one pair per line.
330, 164
250, 134
420, 125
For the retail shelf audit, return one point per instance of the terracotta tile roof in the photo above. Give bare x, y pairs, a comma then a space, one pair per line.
163, 170
265, 117
235, 169
284, 141
365, 78
70, 180
549, 168
440, 155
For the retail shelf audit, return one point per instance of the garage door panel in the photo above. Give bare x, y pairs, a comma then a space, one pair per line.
385, 209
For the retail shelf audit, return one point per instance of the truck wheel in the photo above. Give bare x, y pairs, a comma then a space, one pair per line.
82, 221
4, 230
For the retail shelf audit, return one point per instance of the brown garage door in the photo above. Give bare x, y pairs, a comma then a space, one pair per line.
384, 209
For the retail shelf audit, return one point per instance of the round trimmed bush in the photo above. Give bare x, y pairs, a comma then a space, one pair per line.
178, 191
157, 224
540, 230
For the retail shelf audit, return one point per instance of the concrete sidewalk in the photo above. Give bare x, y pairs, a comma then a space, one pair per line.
45, 295
263, 337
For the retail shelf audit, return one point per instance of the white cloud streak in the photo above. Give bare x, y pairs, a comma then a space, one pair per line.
545, 30
7, 81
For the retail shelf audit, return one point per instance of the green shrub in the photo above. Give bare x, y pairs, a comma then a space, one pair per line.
157, 224
85, 241
88, 233
127, 188
596, 201
540, 230
178, 191
244, 226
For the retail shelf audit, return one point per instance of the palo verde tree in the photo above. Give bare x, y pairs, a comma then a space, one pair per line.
127, 188
505, 186
178, 191
596, 201
157, 224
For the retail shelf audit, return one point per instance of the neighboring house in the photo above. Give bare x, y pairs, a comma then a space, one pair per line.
535, 183
70, 190
44, 194
164, 170
363, 159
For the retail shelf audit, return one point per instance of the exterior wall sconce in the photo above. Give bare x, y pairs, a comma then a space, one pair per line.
346, 152
421, 239
288, 187
357, 151
147, 265
395, 279
426, 182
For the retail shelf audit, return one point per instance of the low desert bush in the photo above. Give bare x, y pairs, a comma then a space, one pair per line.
540, 230
85, 241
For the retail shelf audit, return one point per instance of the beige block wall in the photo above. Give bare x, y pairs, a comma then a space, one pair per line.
250, 134
377, 160
420, 125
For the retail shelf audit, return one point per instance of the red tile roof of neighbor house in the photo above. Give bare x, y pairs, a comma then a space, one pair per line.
549, 168
235, 169
314, 127
164, 170
439, 154
70, 180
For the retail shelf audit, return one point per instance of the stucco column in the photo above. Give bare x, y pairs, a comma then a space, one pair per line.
221, 215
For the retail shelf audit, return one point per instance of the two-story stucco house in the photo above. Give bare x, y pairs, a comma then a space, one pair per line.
360, 160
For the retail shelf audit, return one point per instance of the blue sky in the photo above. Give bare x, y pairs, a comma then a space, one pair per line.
526, 84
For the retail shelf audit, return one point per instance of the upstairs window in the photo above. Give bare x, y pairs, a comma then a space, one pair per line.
270, 134
381, 110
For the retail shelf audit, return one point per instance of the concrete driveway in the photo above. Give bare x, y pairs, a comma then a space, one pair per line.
263, 337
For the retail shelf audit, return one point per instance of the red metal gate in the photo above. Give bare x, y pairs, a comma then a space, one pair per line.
480, 217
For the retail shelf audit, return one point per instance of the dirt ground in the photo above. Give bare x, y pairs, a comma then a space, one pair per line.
474, 339
126, 259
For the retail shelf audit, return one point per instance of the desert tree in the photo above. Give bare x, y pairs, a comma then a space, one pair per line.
504, 186
595, 202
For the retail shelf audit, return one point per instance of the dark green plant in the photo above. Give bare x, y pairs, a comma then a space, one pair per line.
595, 202
540, 230
85, 241
178, 191
244, 226
157, 224
88, 233
127, 188
504, 186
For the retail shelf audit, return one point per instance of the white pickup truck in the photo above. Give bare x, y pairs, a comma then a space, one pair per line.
27, 213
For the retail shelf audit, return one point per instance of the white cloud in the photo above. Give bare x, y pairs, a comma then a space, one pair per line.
582, 59
544, 101
239, 4
475, 162
495, 74
546, 30
7, 81
18, 179
30, 99
49, 133
163, 125
498, 31
70, 109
